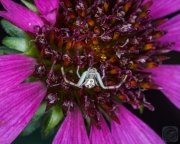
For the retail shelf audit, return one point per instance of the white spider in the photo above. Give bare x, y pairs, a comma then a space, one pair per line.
89, 78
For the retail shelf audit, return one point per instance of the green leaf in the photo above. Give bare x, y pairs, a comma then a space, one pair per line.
32, 52
5, 50
20, 44
39, 113
47, 134
52, 120
30, 6
35, 121
31, 127
12, 30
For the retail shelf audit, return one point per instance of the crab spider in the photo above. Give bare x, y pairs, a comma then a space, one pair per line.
89, 77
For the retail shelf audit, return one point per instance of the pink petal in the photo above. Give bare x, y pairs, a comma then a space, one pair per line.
48, 9
102, 136
168, 77
46, 6
17, 108
162, 8
51, 17
72, 130
20, 16
13, 70
132, 130
173, 32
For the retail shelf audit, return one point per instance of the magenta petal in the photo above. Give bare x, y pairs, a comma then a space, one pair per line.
13, 70
102, 136
168, 77
48, 9
17, 108
72, 130
132, 130
172, 26
20, 16
162, 8
46, 6
50, 17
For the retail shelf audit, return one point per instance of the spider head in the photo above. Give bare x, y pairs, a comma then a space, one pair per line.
90, 83
92, 70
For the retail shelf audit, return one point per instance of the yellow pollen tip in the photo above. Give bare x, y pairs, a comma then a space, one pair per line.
95, 41
127, 6
113, 59
151, 65
116, 35
106, 6
90, 22
114, 71
148, 46
133, 66
103, 57
68, 44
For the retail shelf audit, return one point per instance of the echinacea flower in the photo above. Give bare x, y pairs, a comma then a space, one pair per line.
84, 59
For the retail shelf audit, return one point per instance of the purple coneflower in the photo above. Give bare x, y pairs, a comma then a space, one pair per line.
88, 57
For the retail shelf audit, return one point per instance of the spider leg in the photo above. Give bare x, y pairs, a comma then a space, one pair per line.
82, 78
77, 72
72, 83
109, 87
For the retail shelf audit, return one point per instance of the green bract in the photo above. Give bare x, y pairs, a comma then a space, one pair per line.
35, 121
51, 121
20, 44
12, 30
30, 6
5, 50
